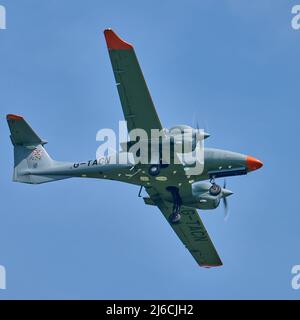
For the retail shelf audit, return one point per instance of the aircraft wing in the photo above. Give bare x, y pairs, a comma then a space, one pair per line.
190, 230
138, 108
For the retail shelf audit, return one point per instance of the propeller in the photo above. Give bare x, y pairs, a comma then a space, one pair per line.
197, 131
225, 202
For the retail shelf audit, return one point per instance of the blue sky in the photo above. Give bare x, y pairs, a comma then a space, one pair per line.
235, 64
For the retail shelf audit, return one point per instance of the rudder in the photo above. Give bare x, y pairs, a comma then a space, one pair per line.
29, 153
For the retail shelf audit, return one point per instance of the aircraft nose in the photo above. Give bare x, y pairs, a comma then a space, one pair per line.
253, 163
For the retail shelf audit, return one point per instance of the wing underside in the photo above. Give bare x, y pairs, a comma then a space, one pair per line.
139, 112
137, 104
190, 230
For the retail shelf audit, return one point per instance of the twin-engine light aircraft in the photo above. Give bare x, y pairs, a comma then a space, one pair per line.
176, 194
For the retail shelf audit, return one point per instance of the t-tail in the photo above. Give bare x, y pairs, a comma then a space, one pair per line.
30, 156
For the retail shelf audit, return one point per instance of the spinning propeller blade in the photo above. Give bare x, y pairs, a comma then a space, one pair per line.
225, 203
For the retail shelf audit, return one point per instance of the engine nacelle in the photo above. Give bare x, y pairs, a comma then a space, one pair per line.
203, 198
186, 136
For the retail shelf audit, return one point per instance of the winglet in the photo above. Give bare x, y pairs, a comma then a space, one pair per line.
13, 117
114, 42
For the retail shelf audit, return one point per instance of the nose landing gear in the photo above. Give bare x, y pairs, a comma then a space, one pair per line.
177, 202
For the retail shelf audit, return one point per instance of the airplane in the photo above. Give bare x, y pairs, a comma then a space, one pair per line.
176, 194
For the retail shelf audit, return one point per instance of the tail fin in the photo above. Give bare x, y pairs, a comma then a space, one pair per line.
29, 153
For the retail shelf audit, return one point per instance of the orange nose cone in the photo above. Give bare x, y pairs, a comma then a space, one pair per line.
253, 163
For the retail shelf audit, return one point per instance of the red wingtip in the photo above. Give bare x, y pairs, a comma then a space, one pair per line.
13, 117
114, 42
208, 266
